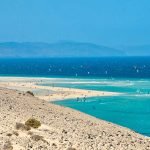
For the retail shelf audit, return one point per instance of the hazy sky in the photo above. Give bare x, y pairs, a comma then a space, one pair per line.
107, 22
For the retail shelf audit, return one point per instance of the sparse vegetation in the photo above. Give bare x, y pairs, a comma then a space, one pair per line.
30, 93
33, 123
21, 126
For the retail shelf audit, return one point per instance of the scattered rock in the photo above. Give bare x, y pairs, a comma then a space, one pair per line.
23, 127
16, 133
36, 137
54, 145
64, 131
70, 148
9, 134
8, 146
30, 133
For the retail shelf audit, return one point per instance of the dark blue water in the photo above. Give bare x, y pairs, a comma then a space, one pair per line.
127, 67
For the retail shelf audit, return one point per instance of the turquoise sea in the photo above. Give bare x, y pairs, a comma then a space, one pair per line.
130, 109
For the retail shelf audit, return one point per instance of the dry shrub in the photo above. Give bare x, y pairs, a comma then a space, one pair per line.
33, 123
30, 93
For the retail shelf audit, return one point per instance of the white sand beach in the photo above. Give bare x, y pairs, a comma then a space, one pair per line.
53, 93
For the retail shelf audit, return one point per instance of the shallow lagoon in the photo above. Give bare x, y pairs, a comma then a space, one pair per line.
130, 109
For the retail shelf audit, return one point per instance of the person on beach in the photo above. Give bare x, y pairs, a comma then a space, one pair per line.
77, 99
84, 99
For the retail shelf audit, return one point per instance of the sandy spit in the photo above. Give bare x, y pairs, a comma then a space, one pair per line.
52, 92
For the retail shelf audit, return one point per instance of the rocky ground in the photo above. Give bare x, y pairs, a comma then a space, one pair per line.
61, 128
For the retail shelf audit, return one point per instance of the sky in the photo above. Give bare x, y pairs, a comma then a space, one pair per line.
104, 22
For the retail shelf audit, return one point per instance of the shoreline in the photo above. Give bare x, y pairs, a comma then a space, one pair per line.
53, 93
73, 77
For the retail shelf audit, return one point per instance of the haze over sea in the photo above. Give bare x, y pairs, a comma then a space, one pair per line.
127, 75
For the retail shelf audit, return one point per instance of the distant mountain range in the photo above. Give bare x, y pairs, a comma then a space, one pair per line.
60, 49
68, 49
137, 50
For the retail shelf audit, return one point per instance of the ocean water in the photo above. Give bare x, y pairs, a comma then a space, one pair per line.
115, 67
129, 76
